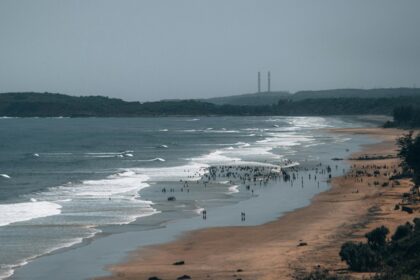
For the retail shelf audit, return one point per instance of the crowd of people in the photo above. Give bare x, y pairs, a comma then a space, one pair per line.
252, 176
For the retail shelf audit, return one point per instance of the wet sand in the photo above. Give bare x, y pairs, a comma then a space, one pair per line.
270, 251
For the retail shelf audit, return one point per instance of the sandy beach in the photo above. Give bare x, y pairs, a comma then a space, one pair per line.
353, 206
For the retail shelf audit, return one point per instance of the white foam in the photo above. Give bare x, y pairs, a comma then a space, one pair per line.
113, 200
95, 198
61, 153
220, 131
65, 200
103, 153
152, 159
233, 189
124, 182
106, 154
8, 270
285, 139
25, 211
188, 172
128, 155
163, 130
308, 122
254, 163
198, 210
241, 143
216, 157
5, 176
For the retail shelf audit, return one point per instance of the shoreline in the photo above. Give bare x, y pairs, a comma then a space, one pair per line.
271, 200
269, 250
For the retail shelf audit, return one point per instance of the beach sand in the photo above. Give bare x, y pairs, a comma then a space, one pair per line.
270, 251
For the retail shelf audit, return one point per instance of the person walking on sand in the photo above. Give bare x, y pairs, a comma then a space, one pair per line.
204, 214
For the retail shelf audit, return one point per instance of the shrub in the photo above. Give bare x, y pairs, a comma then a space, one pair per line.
409, 152
377, 237
416, 225
402, 231
321, 274
396, 260
360, 257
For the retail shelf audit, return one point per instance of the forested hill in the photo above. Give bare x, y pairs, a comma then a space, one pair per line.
31, 104
269, 98
250, 99
357, 93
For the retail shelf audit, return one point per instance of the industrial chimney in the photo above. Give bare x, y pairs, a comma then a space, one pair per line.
259, 82
268, 82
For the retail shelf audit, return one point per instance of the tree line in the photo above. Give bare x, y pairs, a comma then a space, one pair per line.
54, 105
406, 117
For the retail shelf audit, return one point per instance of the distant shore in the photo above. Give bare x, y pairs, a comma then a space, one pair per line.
329, 103
271, 251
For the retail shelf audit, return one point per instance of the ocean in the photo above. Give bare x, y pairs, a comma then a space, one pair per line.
69, 183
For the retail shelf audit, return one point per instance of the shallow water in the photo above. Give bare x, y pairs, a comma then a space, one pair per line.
72, 179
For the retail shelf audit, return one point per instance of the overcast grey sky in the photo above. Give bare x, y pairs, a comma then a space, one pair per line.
155, 49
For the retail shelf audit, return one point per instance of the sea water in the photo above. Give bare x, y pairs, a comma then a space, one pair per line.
64, 181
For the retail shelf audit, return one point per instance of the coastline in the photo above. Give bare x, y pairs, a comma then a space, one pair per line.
270, 251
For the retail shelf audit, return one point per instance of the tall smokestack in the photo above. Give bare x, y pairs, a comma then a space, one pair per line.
268, 82
259, 82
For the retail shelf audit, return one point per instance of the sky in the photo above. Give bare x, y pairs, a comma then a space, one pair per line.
148, 50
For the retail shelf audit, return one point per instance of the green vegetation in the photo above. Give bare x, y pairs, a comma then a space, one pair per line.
270, 98
343, 106
406, 117
366, 257
321, 274
250, 99
397, 258
409, 152
32, 104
